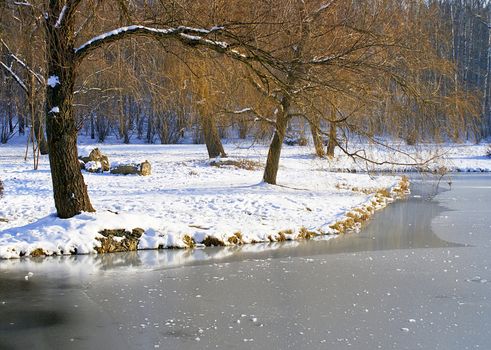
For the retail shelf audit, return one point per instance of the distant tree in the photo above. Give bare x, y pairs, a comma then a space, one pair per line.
24, 69
63, 60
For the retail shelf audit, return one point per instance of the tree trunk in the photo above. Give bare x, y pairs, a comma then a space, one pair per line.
487, 87
21, 123
273, 160
37, 105
92, 127
36, 108
40, 137
150, 127
123, 128
10, 112
70, 191
212, 139
332, 139
316, 137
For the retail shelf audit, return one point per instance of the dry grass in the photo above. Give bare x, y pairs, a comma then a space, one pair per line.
367, 190
236, 239
402, 189
281, 236
37, 252
355, 218
213, 241
383, 192
306, 234
189, 241
245, 164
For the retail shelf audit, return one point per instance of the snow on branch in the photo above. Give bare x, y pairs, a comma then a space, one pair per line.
15, 76
38, 77
22, 3
250, 110
53, 81
60, 17
188, 35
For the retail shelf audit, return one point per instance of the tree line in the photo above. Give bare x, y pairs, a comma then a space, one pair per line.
155, 70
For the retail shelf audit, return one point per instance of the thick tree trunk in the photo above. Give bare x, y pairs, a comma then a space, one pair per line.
274, 153
212, 139
316, 137
70, 191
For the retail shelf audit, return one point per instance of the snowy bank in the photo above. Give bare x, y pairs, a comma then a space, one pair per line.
399, 157
186, 202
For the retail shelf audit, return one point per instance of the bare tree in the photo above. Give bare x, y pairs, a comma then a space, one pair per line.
63, 60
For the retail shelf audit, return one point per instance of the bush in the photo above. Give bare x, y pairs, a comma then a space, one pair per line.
488, 151
295, 141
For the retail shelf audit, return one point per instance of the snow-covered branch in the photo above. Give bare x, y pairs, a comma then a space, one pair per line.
23, 3
250, 110
15, 76
24, 65
61, 16
187, 35
38, 77
66, 13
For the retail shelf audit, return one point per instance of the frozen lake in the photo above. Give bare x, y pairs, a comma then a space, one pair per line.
417, 276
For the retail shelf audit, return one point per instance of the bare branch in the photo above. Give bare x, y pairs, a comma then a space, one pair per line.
187, 35
254, 113
38, 77
15, 76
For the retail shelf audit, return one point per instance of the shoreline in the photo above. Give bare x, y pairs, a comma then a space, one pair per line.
117, 240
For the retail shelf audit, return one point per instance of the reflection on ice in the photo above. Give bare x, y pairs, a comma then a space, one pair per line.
138, 260
403, 225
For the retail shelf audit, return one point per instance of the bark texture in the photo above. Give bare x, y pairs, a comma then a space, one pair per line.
274, 153
212, 138
331, 146
70, 191
316, 137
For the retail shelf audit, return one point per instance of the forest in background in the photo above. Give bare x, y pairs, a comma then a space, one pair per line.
158, 70
156, 92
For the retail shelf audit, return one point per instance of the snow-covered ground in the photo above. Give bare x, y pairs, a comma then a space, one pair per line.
187, 198
424, 157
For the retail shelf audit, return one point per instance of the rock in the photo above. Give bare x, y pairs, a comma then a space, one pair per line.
143, 169
93, 167
294, 141
97, 156
210, 241
38, 252
119, 240
125, 169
